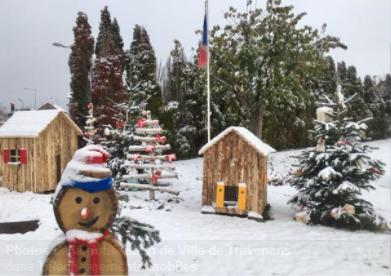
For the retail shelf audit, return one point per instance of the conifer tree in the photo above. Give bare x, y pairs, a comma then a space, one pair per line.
105, 31
331, 176
115, 29
141, 72
351, 84
80, 62
326, 82
178, 117
107, 87
368, 86
379, 126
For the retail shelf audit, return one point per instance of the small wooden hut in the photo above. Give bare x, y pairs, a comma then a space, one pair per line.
235, 174
35, 146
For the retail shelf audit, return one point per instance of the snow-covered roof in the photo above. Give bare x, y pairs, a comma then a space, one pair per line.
30, 123
247, 135
48, 106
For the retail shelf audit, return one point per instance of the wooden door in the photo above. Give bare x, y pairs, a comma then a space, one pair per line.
58, 167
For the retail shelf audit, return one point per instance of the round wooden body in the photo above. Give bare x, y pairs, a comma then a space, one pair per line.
112, 259
76, 209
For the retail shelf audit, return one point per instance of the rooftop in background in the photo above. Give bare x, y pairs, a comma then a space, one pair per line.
50, 106
247, 135
30, 123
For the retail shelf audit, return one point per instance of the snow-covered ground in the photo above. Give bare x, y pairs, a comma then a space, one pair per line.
196, 244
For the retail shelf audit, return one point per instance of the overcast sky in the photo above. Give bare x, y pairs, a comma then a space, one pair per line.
28, 29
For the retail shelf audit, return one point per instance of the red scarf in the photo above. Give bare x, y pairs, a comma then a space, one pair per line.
91, 240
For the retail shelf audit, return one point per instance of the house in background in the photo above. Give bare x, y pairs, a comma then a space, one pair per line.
235, 174
35, 146
50, 106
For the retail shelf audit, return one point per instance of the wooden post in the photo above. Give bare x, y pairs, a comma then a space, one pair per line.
151, 195
242, 194
220, 194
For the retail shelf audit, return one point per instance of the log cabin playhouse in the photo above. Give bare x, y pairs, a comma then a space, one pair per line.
35, 146
235, 174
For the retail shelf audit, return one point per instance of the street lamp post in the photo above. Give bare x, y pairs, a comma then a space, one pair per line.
34, 90
58, 44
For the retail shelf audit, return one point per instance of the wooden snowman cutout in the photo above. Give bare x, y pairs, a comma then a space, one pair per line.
85, 205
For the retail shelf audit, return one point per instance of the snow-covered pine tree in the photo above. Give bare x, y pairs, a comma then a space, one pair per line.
351, 84
105, 31
178, 116
108, 90
141, 72
118, 141
379, 127
149, 166
80, 62
331, 176
116, 32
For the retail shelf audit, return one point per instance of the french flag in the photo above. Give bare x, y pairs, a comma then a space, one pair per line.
202, 59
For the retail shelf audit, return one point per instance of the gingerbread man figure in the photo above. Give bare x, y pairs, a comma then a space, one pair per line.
85, 205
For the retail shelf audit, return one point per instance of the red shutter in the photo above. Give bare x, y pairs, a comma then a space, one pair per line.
22, 156
6, 155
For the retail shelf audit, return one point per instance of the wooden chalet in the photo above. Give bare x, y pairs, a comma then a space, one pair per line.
35, 146
235, 174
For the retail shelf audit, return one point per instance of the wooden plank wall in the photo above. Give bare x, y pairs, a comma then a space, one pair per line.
18, 177
233, 160
57, 139
39, 174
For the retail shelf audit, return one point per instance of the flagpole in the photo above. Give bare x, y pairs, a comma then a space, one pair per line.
207, 69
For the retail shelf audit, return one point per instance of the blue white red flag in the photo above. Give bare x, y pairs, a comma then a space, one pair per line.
203, 47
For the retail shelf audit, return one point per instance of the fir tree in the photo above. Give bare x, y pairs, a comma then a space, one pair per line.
331, 176
108, 90
326, 82
80, 65
141, 72
178, 117
119, 139
379, 127
351, 84
115, 29
105, 31
368, 86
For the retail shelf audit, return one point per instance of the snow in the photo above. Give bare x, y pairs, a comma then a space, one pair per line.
345, 186
254, 215
78, 163
28, 123
50, 106
247, 135
77, 234
210, 244
324, 109
328, 173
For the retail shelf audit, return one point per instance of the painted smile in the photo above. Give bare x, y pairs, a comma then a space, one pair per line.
89, 223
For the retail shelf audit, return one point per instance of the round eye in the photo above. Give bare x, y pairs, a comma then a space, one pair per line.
96, 200
78, 200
